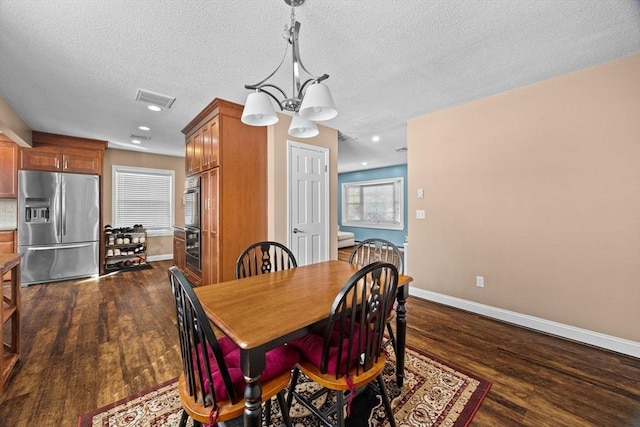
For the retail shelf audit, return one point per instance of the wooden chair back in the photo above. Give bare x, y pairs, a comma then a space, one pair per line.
353, 338
264, 257
376, 249
196, 334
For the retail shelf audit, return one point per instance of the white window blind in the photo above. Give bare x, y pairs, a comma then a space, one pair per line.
374, 204
144, 196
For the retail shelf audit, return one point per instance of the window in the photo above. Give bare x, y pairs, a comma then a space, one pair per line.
374, 204
144, 196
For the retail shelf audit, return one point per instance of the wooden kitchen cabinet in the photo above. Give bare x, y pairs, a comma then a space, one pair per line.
10, 314
8, 168
8, 245
7, 242
210, 139
179, 259
59, 153
233, 187
194, 154
209, 226
201, 151
189, 156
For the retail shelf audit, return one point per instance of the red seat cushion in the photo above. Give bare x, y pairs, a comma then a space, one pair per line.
310, 347
278, 360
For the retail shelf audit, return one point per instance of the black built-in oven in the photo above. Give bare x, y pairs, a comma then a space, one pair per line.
192, 248
192, 202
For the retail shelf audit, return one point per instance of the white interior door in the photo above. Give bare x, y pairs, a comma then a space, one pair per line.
308, 202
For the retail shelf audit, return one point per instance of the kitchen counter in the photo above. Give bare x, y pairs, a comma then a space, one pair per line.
8, 261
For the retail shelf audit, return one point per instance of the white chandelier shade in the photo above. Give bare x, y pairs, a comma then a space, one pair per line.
317, 104
310, 101
302, 128
258, 110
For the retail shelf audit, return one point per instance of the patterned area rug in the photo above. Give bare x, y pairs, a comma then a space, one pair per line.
434, 394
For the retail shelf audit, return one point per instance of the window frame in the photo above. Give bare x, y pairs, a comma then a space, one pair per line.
397, 182
118, 169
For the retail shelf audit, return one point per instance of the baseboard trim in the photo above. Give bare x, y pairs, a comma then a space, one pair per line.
164, 257
619, 345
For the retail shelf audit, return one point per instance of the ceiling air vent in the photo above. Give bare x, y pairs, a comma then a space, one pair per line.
162, 101
140, 137
401, 150
343, 137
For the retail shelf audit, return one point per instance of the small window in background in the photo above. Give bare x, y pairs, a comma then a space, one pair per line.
374, 204
144, 196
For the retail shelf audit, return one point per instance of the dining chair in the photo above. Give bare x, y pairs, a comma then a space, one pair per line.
376, 249
211, 385
347, 354
264, 257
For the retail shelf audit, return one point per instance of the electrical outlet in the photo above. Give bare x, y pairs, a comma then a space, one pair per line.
480, 281
420, 214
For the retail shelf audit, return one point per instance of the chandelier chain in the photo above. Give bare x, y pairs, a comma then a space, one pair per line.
287, 33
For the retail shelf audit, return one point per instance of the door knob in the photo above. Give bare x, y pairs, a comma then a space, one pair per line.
295, 230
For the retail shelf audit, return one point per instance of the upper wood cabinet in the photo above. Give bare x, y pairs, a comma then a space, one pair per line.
8, 168
210, 138
201, 151
59, 153
233, 187
193, 154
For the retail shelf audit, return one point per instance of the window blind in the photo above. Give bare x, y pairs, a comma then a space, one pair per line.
143, 196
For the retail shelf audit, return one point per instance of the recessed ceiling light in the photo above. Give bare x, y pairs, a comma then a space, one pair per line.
375, 138
144, 128
364, 163
136, 141
154, 108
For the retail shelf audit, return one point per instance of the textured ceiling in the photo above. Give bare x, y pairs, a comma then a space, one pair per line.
74, 66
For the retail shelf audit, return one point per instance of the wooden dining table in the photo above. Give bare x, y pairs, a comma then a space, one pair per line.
262, 312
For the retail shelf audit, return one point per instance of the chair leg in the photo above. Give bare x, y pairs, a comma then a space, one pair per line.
392, 337
340, 409
267, 411
292, 386
183, 419
284, 409
386, 401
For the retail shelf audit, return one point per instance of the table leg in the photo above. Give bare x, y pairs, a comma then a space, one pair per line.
401, 332
252, 362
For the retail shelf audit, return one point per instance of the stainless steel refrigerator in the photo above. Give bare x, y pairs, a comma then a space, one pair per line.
58, 226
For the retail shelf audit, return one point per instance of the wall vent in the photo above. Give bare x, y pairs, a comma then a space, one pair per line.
140, 137
343, 137
163, 101
401, 150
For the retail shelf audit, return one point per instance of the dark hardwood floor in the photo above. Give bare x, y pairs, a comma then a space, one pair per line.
88, 343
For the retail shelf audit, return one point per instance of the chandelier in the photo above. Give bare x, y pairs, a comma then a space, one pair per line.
310, 102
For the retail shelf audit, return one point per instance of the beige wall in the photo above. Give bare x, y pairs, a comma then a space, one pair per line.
156, 245
538, 190
277, 186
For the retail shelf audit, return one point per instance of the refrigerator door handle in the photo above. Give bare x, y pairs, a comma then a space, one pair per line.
64, 208
48, 248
